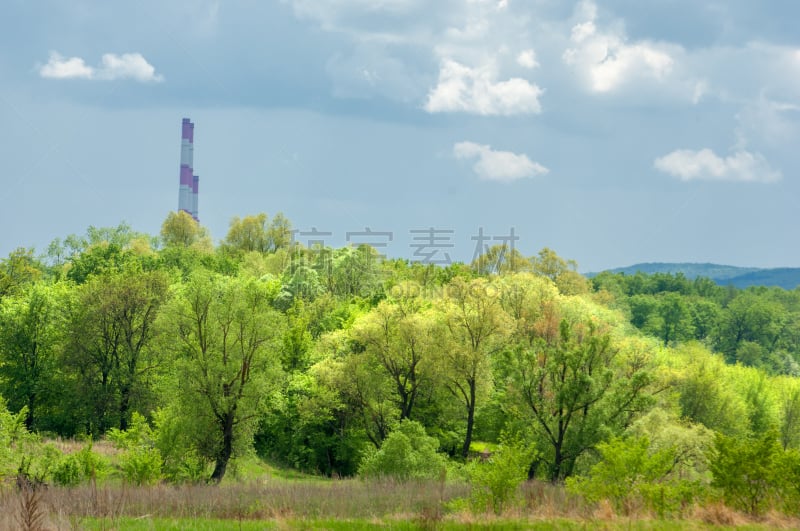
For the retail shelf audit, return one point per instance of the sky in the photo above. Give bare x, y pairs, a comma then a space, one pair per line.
614, 132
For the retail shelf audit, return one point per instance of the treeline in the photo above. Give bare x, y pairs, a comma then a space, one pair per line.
758, 326
340, 362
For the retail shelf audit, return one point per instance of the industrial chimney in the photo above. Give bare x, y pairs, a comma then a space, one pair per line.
189, 183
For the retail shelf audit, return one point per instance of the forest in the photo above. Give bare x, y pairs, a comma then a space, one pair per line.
643, 394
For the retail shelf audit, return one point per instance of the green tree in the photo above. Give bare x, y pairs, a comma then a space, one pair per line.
745, 470
181, 230
749, 317
563, 273
631, 472
227, 338
398, 335
474, 327
577, 389
17, 270
500, 259
248, 234
31, 334
111, 329
672, 319
495, 479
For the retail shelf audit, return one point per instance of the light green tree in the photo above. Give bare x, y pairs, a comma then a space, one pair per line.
31, 336
227, 342
578, 389
398, 335
474, 327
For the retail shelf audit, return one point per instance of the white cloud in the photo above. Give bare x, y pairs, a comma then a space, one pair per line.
474, 45
478, 91
742, 166
608, 60
59, 67
127, 66
503, 166
112, 67
527, 59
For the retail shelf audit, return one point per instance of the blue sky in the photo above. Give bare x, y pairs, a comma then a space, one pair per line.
612, 131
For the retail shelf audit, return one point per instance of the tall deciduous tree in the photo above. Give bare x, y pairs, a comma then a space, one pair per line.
181, 230
398, 335
474, 327
31, 331
110, 333
17, 270
227, 343
576, 389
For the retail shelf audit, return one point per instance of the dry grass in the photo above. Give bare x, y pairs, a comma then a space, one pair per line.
71, 446
283, 502
266, 500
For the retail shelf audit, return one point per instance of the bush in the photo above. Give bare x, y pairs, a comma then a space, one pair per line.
180, 461
141, 461
747, 471
407, 453
496, 480
631, 473
68, 471
141, 466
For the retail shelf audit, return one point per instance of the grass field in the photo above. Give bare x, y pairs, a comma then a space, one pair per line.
258, 496
278, 503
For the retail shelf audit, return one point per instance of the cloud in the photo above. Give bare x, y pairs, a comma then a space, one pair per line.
478, 91
60, 68
527, 59
457, 55
503, 166
741, 166
607, 60
112, 67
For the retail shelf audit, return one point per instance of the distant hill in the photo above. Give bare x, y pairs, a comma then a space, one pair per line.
741, 277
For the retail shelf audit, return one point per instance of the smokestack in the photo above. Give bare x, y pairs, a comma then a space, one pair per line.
195, 187
187, 186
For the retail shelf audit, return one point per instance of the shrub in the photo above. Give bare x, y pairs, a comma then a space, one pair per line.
407, 453
747, 471
141, 461
181, 463
495, 481
141, 466
68, 471
630, 473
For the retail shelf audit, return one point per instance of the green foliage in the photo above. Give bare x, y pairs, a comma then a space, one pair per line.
631, 473
578, 388
141, 466
227, 339
140, 463
496, 479
319, 356
407, 453
15, 440
174, 438
67, 472
72, 469
31, 335
747, 470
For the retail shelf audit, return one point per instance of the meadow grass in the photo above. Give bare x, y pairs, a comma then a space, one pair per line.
259, 496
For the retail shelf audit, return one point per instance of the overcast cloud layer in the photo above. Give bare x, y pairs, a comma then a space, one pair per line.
614, 132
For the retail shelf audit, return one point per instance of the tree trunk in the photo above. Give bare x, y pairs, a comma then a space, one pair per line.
124, 406
224, 455
470, 420
558, 458
29, 419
